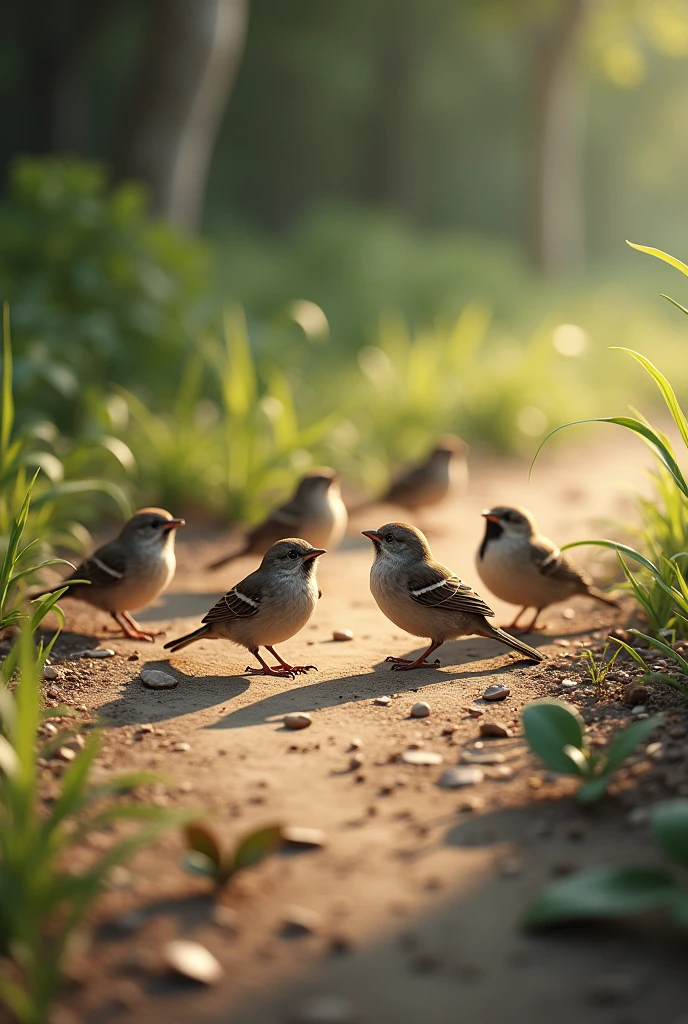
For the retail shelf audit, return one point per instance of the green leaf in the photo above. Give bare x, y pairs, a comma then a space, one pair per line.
664, 256
623, 745
600, 893
674, 302
669, 822
664, 648
196, 863
256, 847
615, 546
593, 789
203, 840
632, 651
665, 388
7, 414
17, 999
550, 726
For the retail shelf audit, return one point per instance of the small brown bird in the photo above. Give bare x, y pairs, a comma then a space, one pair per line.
522, 567
428, 482
315, 512
267, 607
128, 572
424, 597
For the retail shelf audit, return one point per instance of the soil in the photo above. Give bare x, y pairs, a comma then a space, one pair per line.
418, 892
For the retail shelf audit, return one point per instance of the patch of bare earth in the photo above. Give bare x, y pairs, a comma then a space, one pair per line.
410, 911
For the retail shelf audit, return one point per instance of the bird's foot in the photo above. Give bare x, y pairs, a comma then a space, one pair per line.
138, 634
267, 670
405, 664
299, 669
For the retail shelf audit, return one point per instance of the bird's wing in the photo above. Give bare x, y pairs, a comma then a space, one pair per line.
406, 483
552, 562
284, 521
241, 602
104, 568
435, 586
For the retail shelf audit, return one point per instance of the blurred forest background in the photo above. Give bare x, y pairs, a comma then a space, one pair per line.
239, 235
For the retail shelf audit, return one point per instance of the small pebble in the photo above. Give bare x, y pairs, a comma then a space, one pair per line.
482, 757
568, 684
474, 711
421, 757
50, 673
383, 701
472, 804
494, 729
499, 692
568, 613
295, 835
356, 762
226, 918
297, 720
420, 710
157, 680
638, 816
677, 732
343, 634
66, 754
298, 921
194, 961
639, 709
655, 750
324, 1010
100, 652
635, 693
181, 748
356, 743
454, 778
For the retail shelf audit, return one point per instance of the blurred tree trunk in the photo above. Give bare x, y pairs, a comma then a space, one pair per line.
188, 67
557, 202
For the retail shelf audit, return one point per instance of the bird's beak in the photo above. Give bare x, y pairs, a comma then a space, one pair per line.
490, 518
173, 524
372, 535
314, 553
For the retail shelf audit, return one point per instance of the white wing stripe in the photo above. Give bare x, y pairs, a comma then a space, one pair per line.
433, 586
248, 600
107, 568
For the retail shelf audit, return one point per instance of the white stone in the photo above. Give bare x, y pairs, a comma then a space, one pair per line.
192, 960
454, 778
420, 710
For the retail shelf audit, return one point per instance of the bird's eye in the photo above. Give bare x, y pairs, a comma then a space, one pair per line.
293, 553
389, 537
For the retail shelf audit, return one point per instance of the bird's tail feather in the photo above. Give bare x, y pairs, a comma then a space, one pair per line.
512, 641
190, 638
599, 596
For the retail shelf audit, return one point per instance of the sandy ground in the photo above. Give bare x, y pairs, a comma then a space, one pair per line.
418, 892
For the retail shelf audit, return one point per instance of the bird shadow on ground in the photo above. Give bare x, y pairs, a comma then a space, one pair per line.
137, 703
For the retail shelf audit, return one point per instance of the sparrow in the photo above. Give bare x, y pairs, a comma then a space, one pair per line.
266, 608
128, 572
315, 511
424, 597
522, 567
428, 482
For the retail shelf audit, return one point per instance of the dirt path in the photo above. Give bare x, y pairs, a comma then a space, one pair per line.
416, 896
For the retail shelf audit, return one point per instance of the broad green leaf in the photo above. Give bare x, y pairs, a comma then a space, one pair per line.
203, 840
600, 893
660, 255
578, 758
550, 726
623, 745
256, 846
593, 789
669, 822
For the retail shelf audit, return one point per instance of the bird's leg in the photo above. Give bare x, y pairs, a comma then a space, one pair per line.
266, 670
514, 624
134, 625
130, 627
405, 664
532, 625
290, 668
